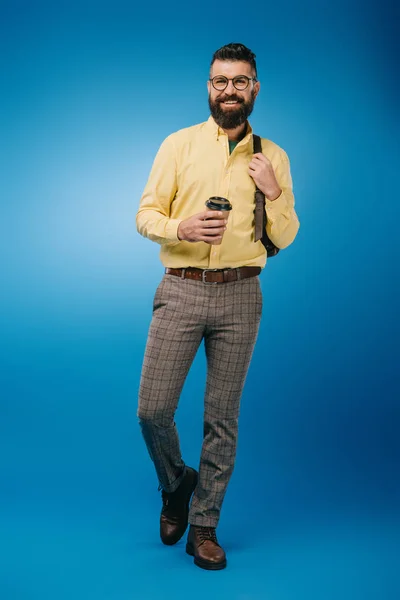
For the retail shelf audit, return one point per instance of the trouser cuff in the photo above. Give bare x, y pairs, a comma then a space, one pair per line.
172, 487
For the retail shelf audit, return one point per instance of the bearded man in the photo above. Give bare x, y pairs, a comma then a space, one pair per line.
210, 291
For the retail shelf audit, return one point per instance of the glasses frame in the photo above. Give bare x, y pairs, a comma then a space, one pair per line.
228, 79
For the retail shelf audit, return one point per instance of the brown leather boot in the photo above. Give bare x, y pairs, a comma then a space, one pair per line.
202, 543
175, 510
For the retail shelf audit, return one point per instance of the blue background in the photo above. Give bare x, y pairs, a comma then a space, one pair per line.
88, 92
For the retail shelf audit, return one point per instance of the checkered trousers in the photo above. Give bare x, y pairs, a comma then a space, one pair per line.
185, 312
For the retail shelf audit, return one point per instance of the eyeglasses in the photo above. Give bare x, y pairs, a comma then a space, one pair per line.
240, 82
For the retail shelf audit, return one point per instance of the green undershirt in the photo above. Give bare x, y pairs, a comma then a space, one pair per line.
232, 145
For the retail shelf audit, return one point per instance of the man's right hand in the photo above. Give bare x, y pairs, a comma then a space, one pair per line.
207, 226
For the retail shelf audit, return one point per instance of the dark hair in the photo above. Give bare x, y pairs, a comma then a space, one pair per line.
235, 52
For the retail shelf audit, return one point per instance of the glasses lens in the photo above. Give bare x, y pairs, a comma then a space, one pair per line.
241, 82
220, 82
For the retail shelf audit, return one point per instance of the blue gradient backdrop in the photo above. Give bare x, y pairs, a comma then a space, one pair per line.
88, 92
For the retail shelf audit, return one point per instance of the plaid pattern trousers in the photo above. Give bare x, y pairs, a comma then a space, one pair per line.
185, 312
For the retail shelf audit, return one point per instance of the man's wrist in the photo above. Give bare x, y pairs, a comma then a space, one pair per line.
273, 194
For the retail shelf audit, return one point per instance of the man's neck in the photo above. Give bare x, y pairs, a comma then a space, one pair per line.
237, 134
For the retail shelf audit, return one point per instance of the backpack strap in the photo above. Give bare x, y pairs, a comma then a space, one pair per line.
260, 221
258, 197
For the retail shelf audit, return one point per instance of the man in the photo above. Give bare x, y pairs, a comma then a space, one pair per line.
201, 247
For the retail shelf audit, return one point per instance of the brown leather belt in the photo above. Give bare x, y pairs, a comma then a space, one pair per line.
215, 275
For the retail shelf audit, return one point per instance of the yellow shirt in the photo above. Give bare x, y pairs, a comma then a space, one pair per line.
194, 164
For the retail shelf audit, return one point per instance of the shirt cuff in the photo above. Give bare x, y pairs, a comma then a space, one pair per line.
171, 230
276, 207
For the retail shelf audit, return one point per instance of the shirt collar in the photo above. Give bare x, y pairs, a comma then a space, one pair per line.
218, 131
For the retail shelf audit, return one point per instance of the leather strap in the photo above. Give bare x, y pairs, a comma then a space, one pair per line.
215, 275
258, 197
260, 216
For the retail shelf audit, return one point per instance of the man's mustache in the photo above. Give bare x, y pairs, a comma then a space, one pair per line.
227, 98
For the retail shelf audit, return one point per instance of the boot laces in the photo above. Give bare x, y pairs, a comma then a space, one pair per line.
165, 498
169, 504
207, 533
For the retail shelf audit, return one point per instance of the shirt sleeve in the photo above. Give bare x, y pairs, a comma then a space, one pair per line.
153, 217
282, 221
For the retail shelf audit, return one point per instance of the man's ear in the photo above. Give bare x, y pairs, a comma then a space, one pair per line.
256, 88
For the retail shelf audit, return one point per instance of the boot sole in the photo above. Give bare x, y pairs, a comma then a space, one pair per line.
204, 564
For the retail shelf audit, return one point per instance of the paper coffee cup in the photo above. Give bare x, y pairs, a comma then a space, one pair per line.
219, 203
222, 204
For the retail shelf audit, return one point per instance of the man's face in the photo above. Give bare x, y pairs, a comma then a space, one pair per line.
230, 108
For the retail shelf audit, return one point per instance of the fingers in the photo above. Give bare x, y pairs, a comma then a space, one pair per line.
212, 231
259, 164
260, 157
210, 214
207, 226
212, 224
211, 234
256, 164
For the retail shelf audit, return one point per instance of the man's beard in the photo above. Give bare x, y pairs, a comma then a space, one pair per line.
232, 117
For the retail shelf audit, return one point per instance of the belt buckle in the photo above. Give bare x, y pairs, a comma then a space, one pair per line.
203, 276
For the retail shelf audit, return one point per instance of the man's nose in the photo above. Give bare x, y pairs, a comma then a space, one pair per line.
230, 88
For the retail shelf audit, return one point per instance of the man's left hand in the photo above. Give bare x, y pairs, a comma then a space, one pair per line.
260, 169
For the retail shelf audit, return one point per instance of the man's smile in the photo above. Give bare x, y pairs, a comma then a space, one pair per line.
230, 102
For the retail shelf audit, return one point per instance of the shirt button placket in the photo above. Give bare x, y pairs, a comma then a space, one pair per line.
214, 257
224, 192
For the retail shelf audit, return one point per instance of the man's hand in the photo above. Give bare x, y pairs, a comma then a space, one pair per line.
260, 169
207, 226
